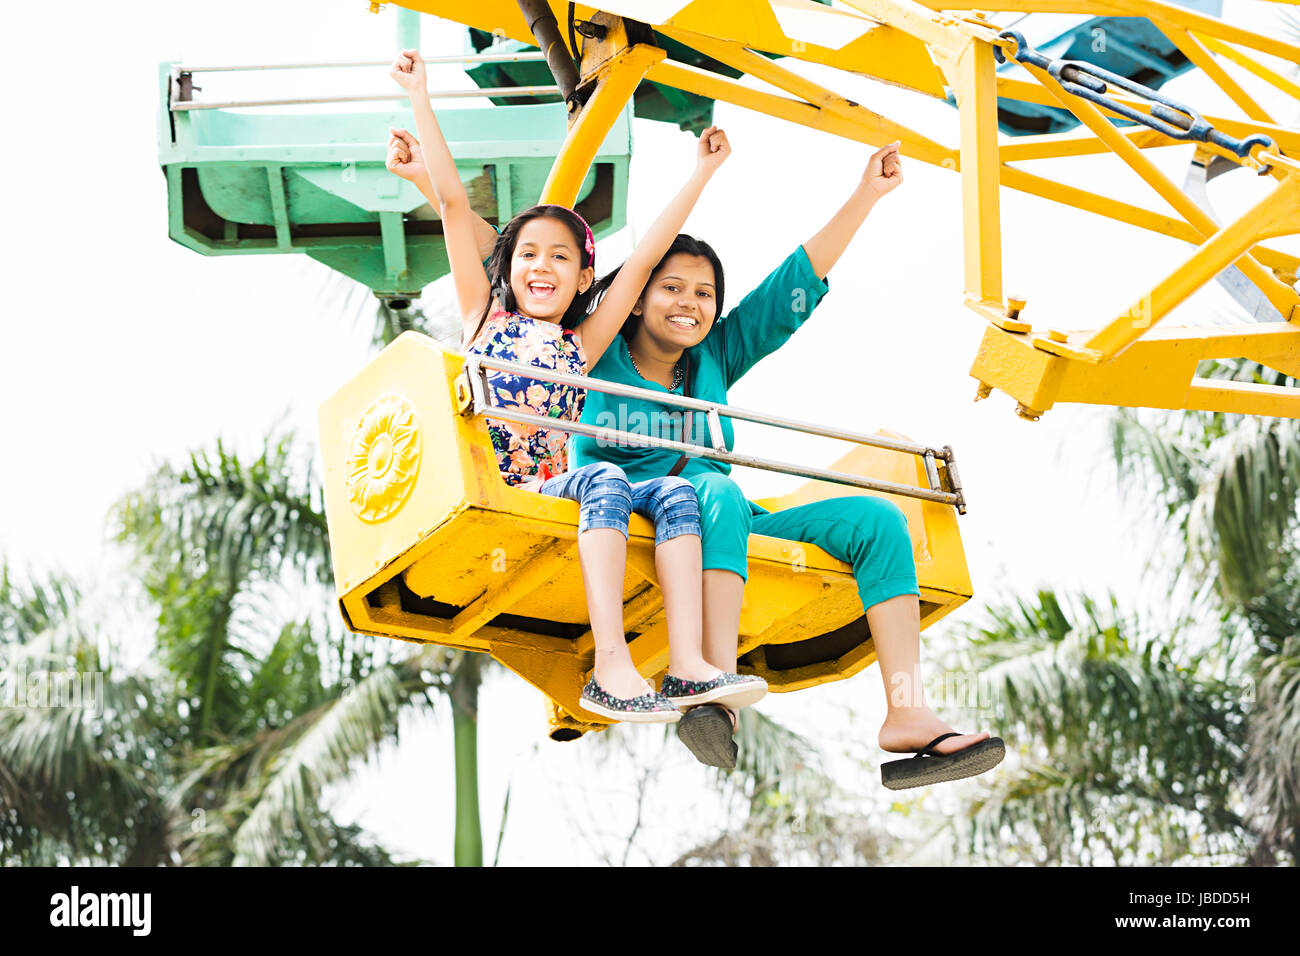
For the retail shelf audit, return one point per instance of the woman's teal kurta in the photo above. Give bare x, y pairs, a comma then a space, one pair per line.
869, 533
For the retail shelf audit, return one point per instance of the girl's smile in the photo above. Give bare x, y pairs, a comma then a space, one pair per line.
546, 269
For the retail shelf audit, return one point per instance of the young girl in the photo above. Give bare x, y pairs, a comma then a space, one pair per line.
674, 340
525, 307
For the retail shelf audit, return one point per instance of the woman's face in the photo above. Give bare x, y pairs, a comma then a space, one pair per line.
546, 269
679, 304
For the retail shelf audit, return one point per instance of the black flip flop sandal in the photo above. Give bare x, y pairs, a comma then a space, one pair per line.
707, 733
927, 767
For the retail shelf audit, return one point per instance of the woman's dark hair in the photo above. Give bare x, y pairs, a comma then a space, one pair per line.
683, 244
498, 264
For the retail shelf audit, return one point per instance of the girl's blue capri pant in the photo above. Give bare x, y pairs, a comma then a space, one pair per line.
868, 533
607, 500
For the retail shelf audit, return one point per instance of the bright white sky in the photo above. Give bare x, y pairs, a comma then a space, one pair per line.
122, 349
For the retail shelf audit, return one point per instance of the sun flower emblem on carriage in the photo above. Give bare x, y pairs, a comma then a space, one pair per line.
383, 459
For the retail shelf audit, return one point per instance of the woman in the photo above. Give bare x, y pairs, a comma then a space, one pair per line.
674, 341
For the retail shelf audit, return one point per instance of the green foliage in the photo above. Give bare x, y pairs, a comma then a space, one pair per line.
1155, 742
225, 756
80, 741
1130, 747
790, 812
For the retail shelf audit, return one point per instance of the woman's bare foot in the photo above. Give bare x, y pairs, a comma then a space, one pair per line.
908, 729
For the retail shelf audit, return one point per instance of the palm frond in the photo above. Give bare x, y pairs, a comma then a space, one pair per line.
1273, 775
1124, 717
323, 748
1143, 452
774, 765
1247, 506
238, 517
390, 323
82, 752
30, 606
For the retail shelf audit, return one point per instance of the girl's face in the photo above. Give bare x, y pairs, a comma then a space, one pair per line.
678, 305
546, 269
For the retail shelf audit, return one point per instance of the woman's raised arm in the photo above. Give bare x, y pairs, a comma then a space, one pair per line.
884, 172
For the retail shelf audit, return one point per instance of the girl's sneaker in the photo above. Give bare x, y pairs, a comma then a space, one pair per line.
651, 708
734, 690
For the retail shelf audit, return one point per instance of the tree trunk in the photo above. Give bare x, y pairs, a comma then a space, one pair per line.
466, 677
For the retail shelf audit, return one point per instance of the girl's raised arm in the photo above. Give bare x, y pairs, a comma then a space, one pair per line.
458, 219
884, 172
600, 328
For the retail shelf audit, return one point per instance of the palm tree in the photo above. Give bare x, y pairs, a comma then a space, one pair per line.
1130, 744
1156, 741
789, 810
1231, 487
272, 708
82, 741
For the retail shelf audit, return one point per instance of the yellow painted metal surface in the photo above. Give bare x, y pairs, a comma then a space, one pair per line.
932, 46
878, 50
1156, 371
616, 77
430, 545
972, 76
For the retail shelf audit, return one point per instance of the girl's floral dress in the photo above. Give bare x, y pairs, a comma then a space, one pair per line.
525, 451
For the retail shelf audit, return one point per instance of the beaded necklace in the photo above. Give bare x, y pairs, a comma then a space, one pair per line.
677, 371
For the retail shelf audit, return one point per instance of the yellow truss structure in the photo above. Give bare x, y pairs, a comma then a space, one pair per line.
946, 44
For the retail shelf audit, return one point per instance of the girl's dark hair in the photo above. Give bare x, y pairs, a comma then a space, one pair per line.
498, 264
688, 245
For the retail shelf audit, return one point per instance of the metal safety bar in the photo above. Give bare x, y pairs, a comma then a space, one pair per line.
182, 82
471, 58
481, 401
367, 97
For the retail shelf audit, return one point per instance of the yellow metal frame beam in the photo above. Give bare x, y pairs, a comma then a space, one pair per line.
1199, 55
1277, 214
1157, 371
769, 71
980, 207
1287, 139
1155, 10
1143, 218
943, 34
1151, 9
974, 81
1281, 296
962, 48
862, 130
1055, 145
1284, 84
856, 122
616, 77
817, 102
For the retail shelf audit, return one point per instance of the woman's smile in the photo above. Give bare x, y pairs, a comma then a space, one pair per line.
678, 306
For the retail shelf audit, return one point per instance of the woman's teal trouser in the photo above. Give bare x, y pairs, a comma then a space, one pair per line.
868, 533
